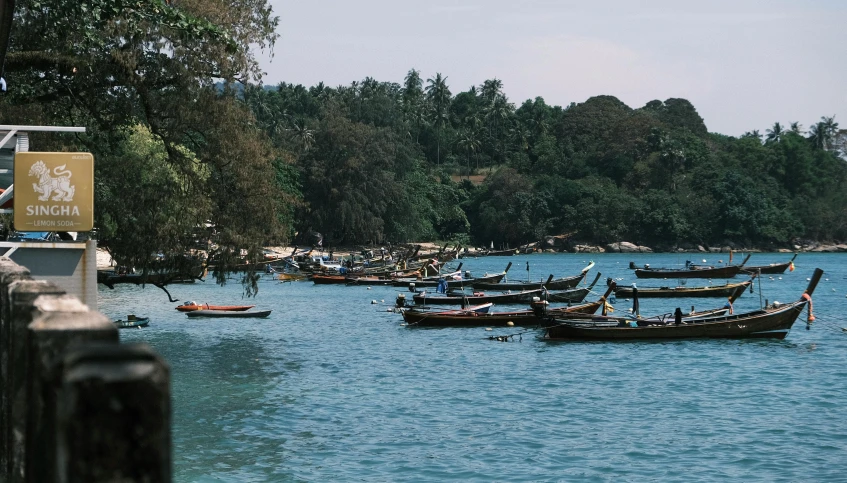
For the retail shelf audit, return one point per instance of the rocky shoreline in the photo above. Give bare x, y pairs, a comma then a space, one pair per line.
627, 247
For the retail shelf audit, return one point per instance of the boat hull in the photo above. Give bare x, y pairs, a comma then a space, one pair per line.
522, 318
773, 323
194, 308
138, 322
772, 269
509, 298
229, 314
674, 292
558, 284
715, 272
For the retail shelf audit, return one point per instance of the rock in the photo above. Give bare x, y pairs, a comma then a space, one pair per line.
588, 249
627, 247
701, 249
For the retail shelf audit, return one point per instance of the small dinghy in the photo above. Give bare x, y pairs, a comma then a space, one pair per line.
229, 313
132, 322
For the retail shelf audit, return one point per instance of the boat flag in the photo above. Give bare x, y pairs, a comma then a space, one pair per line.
791, 267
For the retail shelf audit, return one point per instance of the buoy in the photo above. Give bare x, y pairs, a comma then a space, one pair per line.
826, 279
510, 323
373, 302
704, 260
808, 279
369, 288
402, 325
488, 329
780, 278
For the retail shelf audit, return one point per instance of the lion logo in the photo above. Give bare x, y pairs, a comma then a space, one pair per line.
47, 185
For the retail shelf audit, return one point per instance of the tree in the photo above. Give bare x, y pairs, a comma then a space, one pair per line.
114, 65
413, 101
822, 135
775, 133
438, 95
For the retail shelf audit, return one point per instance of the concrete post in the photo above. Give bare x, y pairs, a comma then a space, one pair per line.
21, 295
59, 323
9, 272
113, 415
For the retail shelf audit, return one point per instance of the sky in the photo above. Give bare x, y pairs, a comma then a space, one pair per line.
744, 64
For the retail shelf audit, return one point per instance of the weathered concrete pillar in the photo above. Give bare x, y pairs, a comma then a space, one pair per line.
21, 295
113, 415
9, 272
59, 323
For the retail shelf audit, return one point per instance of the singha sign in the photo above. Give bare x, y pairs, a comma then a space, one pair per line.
54, 191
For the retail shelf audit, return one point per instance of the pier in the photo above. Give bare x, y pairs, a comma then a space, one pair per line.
75, 403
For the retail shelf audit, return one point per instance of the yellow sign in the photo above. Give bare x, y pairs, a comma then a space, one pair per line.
54, 191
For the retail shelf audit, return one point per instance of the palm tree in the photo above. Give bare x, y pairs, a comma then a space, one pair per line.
413, 100
752, 134
469, 141
822, 134
796, 128
302, 135
439, 96
775, 133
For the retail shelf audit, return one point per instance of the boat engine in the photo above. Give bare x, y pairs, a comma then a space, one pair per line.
539, 307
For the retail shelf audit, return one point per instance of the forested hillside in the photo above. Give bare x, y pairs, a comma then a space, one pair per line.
380, 161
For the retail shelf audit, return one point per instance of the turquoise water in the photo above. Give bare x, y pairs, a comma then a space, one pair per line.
333, 388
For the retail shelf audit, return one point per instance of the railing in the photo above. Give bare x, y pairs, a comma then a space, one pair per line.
75, 404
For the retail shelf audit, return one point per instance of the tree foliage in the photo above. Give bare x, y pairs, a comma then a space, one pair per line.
141, 76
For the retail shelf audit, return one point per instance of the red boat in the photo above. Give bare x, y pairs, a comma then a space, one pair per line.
192, 306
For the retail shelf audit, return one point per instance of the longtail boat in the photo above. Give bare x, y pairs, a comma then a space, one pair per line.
773, 268
573, 295
563, 283
501, 253
773, 321
691, 271
453, 279
328, 279
238, 314
132, 322
194, 306
424, 298
684, 291
529, 317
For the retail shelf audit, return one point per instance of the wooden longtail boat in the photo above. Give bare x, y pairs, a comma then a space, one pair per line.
683, 291
369, 281
551, 284
573, 295
501, 253
773, 321
328, 279
524, 296
239, 314
193, 306
773, 268
530, 317
456, 279
132, 322
692, 271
